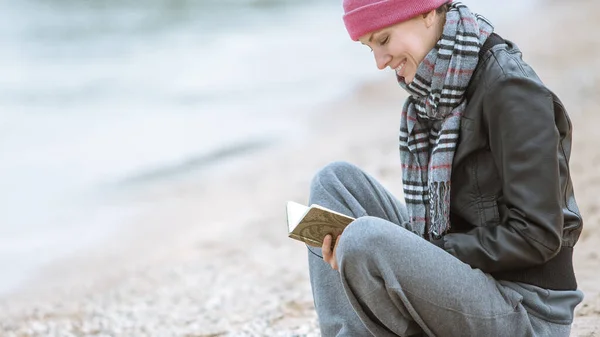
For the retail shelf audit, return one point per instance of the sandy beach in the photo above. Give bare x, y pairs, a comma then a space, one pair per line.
212, 257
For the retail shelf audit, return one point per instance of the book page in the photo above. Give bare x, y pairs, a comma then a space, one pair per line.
295, 213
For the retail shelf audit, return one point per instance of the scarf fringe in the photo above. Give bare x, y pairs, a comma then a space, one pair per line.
439, 206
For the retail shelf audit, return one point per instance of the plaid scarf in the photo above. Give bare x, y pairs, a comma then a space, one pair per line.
430, 121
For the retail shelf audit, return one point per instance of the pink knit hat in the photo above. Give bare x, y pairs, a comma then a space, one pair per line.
365, 16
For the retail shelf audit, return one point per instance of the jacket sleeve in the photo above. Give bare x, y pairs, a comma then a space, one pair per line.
519, 116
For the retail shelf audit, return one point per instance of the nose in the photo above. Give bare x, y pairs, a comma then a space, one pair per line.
382, 60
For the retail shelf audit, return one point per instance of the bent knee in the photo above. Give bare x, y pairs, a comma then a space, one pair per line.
362, 235
368, 235
333, 173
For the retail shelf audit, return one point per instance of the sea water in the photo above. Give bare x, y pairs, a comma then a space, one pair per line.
95, 95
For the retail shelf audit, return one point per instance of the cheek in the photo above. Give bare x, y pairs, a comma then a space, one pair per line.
418, 52
416, 56
415, 46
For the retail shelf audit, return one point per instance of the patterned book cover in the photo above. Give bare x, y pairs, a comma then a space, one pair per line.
312, 224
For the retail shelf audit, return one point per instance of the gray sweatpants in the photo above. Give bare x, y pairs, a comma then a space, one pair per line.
392, 282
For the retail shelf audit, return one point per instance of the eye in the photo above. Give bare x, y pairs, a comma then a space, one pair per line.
384, 41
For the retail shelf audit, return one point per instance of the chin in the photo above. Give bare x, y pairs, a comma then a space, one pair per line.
409, 77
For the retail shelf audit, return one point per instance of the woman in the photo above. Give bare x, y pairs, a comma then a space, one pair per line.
483, 244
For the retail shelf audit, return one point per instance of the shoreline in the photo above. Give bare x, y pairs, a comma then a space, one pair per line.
215, 252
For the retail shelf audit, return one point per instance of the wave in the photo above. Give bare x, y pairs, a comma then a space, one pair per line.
198, 162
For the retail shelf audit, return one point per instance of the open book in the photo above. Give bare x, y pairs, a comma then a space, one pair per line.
312, 224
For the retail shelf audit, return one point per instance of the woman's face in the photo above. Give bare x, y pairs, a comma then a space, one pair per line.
403, 46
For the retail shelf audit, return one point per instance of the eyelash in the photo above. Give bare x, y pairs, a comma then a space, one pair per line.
383, 42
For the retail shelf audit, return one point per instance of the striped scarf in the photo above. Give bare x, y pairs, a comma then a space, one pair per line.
430, 121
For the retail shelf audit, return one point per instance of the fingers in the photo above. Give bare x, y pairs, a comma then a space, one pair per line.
334, 264
326, 249
337, 240
328, 252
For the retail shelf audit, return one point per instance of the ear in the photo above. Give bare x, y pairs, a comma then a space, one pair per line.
430, 18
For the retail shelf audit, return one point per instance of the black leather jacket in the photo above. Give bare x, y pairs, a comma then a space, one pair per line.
513, 212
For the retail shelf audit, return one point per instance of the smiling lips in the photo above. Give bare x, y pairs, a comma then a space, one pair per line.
400, 67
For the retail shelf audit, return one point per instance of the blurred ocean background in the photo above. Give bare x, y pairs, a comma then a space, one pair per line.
99, 96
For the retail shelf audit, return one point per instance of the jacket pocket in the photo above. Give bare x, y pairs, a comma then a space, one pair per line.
488, 212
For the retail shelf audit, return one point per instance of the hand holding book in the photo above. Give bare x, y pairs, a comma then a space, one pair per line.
329, 251
312, 224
